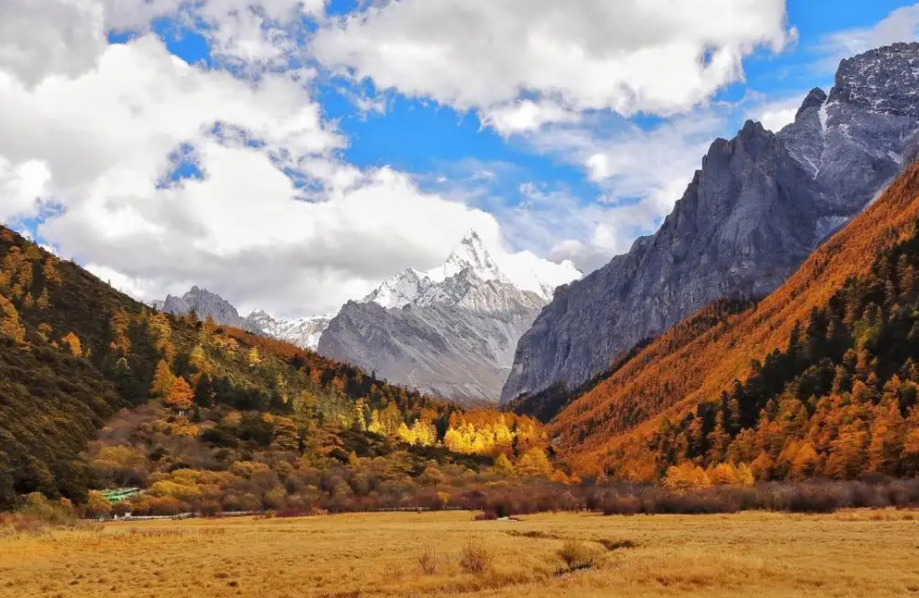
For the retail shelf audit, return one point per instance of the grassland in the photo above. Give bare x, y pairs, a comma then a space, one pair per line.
854, 553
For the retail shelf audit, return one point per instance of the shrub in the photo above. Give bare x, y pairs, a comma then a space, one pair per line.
576, 555
51, 512
428, 560
475, 557
97, 507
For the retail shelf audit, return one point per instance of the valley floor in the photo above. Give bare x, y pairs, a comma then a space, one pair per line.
853, 553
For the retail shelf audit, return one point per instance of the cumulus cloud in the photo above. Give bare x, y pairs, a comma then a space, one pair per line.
274, 218
776, 115
52, 37
523, 63
640, 174
901, 25
21, 188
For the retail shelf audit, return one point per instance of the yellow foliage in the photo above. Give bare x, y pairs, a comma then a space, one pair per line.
503, 465
722, 475
686, 476
181, 396
163, 379
534, 463
421, 433
118, 326
50, 271
10, 326
72, 342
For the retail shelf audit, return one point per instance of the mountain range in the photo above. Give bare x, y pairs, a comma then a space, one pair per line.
800, 250
450, 331
301, 332
757, 208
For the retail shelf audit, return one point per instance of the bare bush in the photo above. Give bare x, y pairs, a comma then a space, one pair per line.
428, 559
475, 557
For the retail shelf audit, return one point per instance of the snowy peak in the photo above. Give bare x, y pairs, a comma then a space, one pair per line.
528, 272
302, 332
469, 254
400, 290
468, 291
469, 262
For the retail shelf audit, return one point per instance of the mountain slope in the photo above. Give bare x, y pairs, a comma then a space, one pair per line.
647, 415
757, 208
73, 351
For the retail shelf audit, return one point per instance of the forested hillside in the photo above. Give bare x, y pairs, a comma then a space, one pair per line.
197, 398
818, 379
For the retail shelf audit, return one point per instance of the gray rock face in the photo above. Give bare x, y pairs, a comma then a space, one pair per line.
456, 341
206, 304
757, 208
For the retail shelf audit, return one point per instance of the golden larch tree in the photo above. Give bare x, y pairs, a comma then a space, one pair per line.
181, 396
72, 342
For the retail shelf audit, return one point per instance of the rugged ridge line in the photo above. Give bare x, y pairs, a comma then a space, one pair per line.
760, 204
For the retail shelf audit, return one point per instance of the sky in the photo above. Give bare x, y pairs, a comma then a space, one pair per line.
291, 154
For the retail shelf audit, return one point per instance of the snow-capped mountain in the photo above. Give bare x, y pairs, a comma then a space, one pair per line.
469, 254
450, 331
455, 336
302, 332
401, 289
523, 270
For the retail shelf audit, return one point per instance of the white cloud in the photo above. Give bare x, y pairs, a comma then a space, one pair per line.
775, 114
527, 115
21, 186
100, 142
901, 25
640, 174
60, 37
656, 56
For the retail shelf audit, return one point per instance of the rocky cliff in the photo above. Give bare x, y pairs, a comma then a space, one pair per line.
205, 305
760, 204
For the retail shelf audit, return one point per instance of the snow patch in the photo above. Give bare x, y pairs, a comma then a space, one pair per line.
824, 117
301, 332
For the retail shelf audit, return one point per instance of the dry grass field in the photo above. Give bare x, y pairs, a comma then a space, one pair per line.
857, 553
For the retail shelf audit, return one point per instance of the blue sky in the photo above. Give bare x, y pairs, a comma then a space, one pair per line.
292, 153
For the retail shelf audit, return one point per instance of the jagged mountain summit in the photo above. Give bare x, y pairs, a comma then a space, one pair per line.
205, 304
451, 331
458, 282
301, 332
400, 290
523, 270
758, 207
